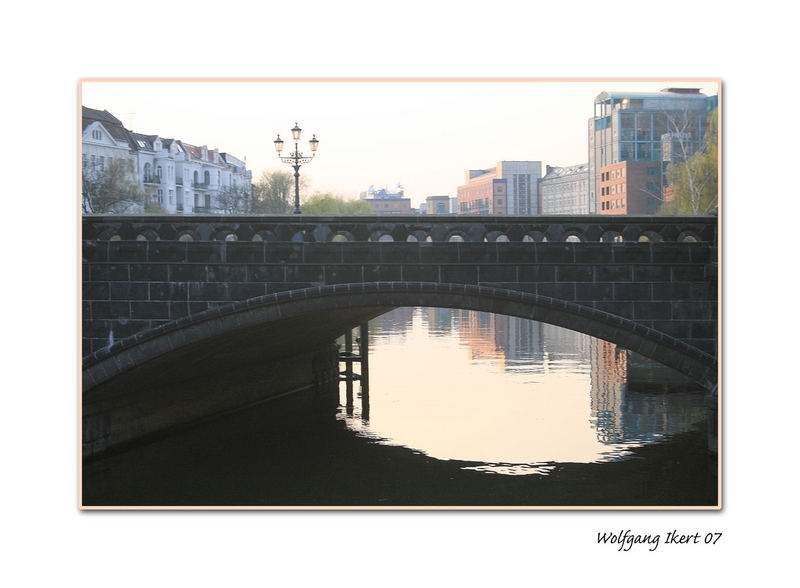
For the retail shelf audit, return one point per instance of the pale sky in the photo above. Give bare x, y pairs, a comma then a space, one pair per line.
422, 134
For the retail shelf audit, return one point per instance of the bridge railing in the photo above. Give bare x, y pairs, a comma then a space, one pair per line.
422, 228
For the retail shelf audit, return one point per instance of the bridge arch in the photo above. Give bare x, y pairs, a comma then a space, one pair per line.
332, 309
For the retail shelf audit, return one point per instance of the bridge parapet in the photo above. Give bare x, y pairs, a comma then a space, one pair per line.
323, 229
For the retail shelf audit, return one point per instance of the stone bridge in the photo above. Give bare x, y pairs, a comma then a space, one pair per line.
174, 297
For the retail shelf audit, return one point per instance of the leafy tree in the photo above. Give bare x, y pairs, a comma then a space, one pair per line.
273, 193
328, 204
112, 189
694, 181
234, 200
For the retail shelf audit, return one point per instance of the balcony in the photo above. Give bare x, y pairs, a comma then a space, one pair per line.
200, 185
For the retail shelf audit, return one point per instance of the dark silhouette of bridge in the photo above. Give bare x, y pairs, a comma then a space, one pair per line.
172, 297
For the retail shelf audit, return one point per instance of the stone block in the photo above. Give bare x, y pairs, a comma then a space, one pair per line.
574, 273
623, 309
497, 273
167, 251
678, 329
127, 251
595, 291
149, 272
703, 329
555, 252
244, 251
673, 253
226, 272
95, 290
205, 252
110, 310
688, 273
265, 273
632, 252
651, 311
520, 252
562, 291
302, 273
382, 273
244, 291
94, 251
129, 291
107, 272
162, 291
632, 291
536, 273
322, 253
703, 291
149, 310
277, 252
178, 310
613, 273
694, 310
438, 253
671, 290
199, 291
702, 252
400, 252
651, 273
353, 252
459, 274
191, 272
594, 253
341, 274
477, 252
420, 273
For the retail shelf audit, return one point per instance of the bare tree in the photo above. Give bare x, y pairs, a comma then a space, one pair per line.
111, 189
692, 174
234, 200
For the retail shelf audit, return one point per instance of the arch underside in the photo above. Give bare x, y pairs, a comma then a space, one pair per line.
279, 325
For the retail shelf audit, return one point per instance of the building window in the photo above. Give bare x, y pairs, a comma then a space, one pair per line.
96, 134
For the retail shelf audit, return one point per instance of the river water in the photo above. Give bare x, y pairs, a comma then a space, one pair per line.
461, 409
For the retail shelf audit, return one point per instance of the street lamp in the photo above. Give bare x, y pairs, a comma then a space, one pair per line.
296, 159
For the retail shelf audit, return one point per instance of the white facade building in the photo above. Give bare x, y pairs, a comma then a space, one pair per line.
176, 177
564, 190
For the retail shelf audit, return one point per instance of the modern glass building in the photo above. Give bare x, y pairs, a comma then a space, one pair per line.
635, 126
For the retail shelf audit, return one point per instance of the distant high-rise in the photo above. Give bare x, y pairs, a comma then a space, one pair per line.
635, 127
511, 187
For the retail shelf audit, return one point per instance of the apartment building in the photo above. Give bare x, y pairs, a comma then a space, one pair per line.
177, 177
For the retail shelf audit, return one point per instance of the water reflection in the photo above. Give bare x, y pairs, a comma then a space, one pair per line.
515, 395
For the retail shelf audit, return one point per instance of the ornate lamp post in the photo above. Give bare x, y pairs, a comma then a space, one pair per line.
296, 159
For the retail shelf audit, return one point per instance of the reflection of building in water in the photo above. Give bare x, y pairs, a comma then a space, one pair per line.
479, 331
608, 377
524, 340
394, 323
623, 413
564, 345
441, 320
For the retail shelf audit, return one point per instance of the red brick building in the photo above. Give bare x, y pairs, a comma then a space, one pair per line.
629, 187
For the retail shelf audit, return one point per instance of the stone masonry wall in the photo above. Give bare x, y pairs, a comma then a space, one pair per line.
130, 286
